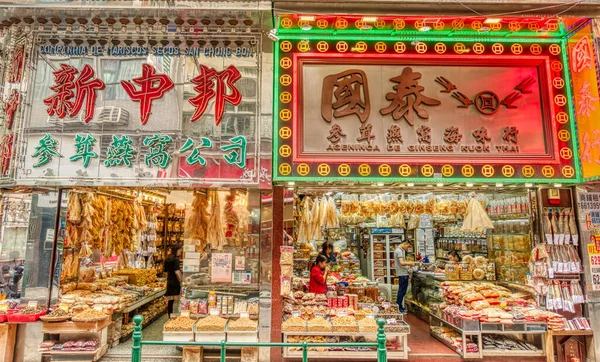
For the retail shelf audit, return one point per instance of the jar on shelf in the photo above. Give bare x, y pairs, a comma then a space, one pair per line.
356, 288
372, 290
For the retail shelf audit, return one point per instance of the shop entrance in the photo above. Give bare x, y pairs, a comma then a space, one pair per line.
458, 255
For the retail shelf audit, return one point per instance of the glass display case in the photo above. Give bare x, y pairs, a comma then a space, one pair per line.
425, 293
510, 248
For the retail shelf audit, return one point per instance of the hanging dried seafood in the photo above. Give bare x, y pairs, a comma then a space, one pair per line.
121, 220
96, 232
74, 207
87, 214
231, 217
139, 224
108, 245
198, 222
476, 218
215, 235
304, 229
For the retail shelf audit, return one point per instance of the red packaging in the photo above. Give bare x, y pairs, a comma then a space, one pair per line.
344, 302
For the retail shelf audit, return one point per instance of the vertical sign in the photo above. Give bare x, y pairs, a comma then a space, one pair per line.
582, 65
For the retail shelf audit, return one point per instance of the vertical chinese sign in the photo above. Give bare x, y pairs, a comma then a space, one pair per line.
582, 64
173, 115
426, 109
12, 73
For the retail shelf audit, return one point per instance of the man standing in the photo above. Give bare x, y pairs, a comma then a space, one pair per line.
402, 271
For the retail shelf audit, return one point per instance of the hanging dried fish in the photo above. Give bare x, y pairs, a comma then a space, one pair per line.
74, 207
215, 234
198, 222
476, 219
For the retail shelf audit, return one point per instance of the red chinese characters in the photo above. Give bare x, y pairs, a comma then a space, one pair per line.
10, 107
16, 65
6, 152
83, 89
152, 86
212, 84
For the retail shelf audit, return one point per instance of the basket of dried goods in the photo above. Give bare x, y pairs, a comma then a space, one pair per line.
294, 324
344, 324
210, 329
57, 315
368, 325
89, 316
319, 324
242, 329
26, 315
180, 329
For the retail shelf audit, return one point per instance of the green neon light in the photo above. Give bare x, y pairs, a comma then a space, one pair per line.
574, 133
274, 154
276, 177
422, 38
388, 32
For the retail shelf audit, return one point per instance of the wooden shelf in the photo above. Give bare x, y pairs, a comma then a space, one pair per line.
72, 327
587, 332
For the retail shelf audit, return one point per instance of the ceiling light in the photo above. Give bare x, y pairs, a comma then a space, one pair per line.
410, 184
306, 27
307, 18
528, 184
380, 184
440, 184
425, 28
499, 184
484, 186
484, 29
492, 21
291, 183
557, 185
513, 186
374, 185
469, 184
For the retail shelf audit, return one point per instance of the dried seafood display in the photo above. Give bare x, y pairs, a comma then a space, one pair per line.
211, 324
215, 233
90, 315
198, 221
242, 324
180, 324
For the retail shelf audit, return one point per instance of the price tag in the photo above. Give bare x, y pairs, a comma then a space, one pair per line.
185, 313
244, 315
98, 307
3, 307
64, 307
550, 273
296, 313
370, 315
386, 305
391, 321
32, 304
214, 311
342, 314
319, 315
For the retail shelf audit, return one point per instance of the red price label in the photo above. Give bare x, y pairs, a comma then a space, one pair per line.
595, 259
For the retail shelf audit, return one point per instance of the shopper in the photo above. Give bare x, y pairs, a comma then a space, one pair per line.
402, 271
318, 276
327, 251
172, 267
453, 257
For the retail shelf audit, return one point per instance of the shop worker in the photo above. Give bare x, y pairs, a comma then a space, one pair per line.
318, 276
453, 257
327, 251
171, 267
402, 266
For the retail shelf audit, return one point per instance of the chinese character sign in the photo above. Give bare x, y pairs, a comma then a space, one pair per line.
150, 119
586, 97
406, 109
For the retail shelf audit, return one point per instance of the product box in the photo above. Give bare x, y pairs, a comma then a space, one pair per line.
190, 261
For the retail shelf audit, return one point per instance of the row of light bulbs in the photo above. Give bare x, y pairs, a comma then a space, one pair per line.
291, 184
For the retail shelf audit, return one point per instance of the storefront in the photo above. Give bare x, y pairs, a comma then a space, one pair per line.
141, 135
454, 134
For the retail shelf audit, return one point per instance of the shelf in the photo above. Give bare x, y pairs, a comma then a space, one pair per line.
512, 250
462, 237
445, 342
144, 301
97, 352
360, 355
72, 327
490, 353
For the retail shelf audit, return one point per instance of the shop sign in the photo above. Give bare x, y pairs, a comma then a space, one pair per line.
423, 110
594, 255
150, 119
582, 62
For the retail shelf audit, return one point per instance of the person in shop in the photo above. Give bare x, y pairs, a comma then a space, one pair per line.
172, 268
453, 257
327, 252
318, 276
402, 266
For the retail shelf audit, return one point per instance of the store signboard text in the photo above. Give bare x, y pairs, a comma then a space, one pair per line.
366, 110
144, 51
